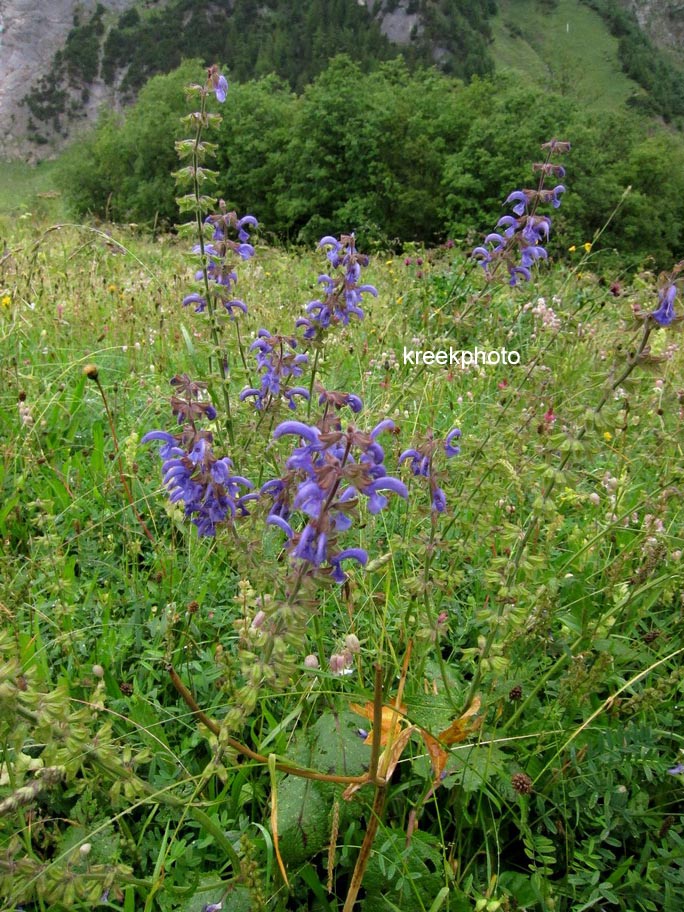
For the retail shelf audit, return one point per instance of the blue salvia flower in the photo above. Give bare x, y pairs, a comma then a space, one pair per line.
192, 474
519, 241
220, 253
665, 312
343, 293
421, 464
278, 361
338, 400
668, 289
217, 83
329, 473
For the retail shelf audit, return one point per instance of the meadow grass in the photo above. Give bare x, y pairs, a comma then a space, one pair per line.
560, 616
29, 191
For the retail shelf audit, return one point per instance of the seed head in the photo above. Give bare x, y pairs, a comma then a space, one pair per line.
521, 783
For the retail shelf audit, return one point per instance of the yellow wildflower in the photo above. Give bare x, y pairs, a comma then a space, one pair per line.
572, 249
587, 247
607, 436
6, 300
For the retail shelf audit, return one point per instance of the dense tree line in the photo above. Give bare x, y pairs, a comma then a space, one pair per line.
393, 154
293, 40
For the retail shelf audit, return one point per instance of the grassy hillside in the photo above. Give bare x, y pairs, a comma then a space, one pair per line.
565, 47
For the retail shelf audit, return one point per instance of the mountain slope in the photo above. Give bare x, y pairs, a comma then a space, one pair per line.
58, 70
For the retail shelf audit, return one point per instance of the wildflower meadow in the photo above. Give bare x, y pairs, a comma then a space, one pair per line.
335, 578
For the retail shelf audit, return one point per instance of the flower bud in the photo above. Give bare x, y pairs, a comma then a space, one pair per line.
351, 641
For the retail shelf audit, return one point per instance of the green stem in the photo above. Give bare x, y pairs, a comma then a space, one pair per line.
211, 306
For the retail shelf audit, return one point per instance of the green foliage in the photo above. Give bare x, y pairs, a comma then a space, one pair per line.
123, 170
457, 35
394, 155
98, 749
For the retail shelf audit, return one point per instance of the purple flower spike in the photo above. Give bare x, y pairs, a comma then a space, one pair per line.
192, 474
343, 293
525, 233
328, 473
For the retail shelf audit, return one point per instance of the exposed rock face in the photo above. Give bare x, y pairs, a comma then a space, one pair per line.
662, 20
30, 34
397, 23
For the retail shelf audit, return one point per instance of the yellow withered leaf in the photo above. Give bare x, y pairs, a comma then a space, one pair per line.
391, 723
438, 756
456, 732
463, 726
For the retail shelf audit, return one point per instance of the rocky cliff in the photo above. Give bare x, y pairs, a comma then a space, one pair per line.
30, 35
662, 20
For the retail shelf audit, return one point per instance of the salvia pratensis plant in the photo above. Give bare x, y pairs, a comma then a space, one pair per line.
335, 473
422, 464
278, 361
229, 234
518, 241
192, 474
